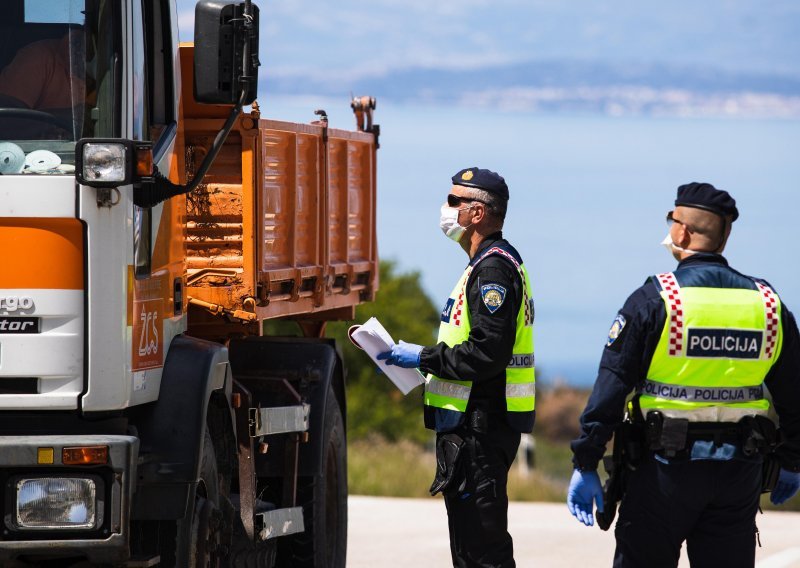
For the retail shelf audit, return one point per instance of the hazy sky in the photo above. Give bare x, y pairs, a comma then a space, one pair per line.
589, 193
350, 36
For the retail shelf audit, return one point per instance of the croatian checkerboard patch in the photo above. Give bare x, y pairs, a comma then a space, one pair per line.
493, 296
616, 329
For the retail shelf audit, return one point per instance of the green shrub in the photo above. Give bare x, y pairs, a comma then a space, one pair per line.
374, 405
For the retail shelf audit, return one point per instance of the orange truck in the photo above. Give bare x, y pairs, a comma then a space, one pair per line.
149, 227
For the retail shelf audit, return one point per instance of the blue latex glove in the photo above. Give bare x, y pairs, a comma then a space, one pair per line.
403, 355
787, 486
584, 487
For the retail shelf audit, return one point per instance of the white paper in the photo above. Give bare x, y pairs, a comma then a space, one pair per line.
373, 338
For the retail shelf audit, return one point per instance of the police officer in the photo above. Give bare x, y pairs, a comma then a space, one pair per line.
698, 346
480, 393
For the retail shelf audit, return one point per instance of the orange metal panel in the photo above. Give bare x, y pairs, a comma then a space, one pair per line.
284, 222
278, 159
192, 108
41, 253
359, 182
307, 200
337, 200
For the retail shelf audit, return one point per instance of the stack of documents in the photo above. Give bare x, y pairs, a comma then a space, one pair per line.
373, 338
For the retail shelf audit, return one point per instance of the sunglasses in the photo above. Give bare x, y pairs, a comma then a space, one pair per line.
671, 220
456, 200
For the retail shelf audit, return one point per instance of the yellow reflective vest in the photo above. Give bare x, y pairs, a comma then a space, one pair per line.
453, 395
715, 350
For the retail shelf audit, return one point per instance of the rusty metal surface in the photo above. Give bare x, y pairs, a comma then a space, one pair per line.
290, 225
283, 224
247, 473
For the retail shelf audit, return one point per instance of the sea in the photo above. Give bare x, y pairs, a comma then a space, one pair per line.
589, 196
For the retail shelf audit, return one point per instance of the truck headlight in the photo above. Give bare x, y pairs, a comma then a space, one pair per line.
112, 162
56, 503
105, 163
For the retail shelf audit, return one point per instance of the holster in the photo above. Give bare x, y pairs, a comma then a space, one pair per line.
759, 435
664, 434
770, 470
624, 459
449, 449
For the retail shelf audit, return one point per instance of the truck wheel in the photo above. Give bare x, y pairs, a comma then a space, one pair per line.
200, 533
324, 500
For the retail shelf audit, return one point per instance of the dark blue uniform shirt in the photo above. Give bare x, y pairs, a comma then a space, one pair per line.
625, 362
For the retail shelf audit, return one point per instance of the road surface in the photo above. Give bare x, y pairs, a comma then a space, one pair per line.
395, 533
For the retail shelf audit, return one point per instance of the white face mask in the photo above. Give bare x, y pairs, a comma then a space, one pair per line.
672, 247
448, 223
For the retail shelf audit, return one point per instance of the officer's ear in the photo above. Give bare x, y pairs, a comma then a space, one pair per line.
478, 212
683, 236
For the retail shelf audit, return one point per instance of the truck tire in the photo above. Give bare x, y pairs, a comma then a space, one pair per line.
324, 500
199, 533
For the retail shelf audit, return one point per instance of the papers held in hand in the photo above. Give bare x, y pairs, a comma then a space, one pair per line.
374, 339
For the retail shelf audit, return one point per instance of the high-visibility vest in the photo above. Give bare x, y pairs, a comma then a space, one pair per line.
453, 395
715, 350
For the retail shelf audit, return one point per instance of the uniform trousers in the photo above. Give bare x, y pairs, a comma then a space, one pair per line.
710, 504
477, 506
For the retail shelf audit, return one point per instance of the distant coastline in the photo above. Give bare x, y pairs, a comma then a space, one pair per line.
568, 86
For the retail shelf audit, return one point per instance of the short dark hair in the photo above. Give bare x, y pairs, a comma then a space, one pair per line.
497, 206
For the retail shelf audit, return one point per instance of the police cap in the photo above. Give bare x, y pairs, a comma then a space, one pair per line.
486, 180
706, 196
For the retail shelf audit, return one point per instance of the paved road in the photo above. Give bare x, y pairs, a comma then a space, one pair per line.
395, 533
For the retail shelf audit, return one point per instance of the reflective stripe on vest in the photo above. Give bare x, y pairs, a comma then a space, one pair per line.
449, 389
716, 347
712, 394
455, 329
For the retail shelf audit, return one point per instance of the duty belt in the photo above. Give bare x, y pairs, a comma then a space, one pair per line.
752, 434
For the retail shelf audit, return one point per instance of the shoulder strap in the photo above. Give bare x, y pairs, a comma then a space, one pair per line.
772, 320
669, 284
502, 252
526, 301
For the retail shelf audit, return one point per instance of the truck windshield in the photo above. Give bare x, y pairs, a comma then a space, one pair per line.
58, 68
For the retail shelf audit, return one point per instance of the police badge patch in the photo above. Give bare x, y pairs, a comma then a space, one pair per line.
616, 329
447, 310
493, 296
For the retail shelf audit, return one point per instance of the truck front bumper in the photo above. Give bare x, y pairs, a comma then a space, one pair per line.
40, 458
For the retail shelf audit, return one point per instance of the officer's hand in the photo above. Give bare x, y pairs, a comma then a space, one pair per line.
787, 486
403, 355
584, 487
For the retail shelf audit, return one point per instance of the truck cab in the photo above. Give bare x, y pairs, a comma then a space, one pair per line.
149, 225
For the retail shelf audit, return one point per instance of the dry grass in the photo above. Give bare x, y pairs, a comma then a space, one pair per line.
391, 469
403, 469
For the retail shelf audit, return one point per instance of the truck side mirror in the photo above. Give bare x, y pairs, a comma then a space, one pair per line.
225, 52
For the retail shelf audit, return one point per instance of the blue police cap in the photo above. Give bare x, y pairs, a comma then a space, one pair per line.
482, 179
706, 196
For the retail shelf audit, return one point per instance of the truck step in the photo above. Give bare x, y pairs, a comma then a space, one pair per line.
279, 522
279, 420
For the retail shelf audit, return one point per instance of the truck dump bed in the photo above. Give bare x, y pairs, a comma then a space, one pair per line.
284, 222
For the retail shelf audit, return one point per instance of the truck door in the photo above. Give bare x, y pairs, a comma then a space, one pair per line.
157, 279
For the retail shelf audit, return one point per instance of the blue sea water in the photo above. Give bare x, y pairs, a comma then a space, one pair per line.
588, 199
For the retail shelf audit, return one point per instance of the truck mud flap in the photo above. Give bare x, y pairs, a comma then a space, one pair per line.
171, 429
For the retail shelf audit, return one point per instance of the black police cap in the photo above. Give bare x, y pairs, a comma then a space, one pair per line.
482, 179
706, 196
